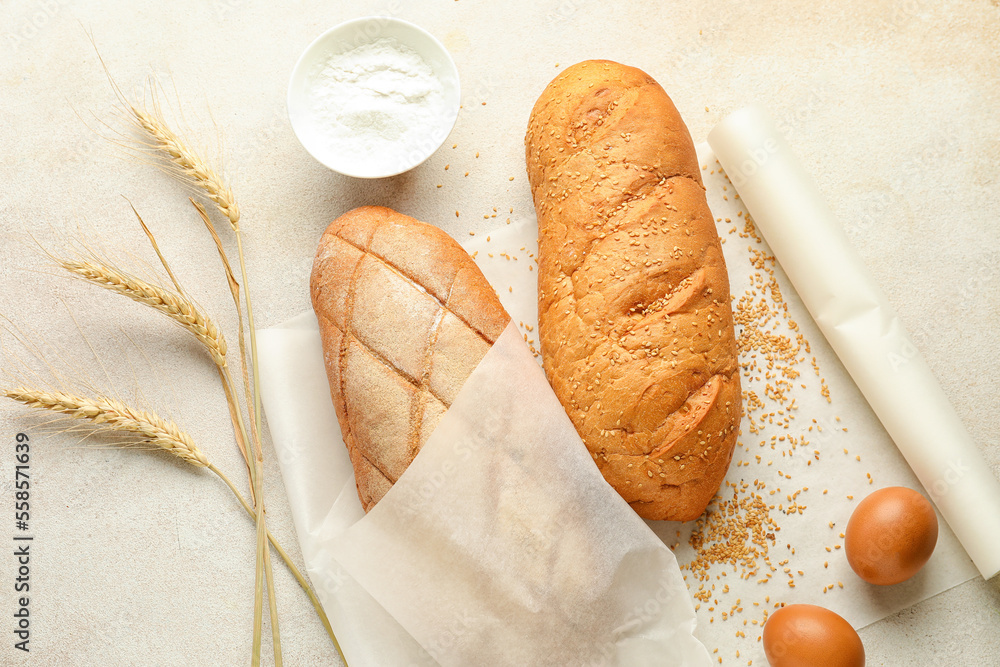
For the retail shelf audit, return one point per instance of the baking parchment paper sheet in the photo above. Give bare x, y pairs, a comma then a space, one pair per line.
320, 485
500, 545
841, 430
859, 322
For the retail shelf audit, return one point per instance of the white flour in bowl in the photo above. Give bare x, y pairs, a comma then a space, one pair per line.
380, 102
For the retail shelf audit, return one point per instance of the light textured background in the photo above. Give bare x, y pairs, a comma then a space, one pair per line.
138, 560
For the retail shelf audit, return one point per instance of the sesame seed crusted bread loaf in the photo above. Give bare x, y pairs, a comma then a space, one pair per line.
405, 316
635, 323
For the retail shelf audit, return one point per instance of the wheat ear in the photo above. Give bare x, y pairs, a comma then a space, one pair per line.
175, 306
190, 167
152, 429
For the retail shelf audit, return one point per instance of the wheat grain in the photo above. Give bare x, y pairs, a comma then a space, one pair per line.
153, 429
191, 167
176, 306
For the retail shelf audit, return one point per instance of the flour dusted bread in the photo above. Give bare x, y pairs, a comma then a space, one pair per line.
635, 324
406, 316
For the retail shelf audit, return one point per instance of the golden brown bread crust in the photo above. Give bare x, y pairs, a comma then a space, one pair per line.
635, 323
406, 316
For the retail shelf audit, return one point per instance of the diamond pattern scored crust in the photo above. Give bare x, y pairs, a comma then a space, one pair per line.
405, 316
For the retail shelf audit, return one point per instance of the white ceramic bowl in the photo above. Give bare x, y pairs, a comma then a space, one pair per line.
347, 157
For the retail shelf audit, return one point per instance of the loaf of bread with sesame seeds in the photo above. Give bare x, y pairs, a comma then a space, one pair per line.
405, 317
635, 323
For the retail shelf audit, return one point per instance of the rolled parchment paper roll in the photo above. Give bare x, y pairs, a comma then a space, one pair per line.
857, 320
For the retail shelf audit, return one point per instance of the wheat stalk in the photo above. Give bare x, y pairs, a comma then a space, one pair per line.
161, 434
189, 167
152, 429
179, 308
175, 306
291, 566
195, 171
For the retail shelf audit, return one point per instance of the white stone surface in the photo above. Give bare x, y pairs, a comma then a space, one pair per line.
140, 560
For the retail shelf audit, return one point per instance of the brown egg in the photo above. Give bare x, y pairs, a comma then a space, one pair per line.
891, 535
804, 635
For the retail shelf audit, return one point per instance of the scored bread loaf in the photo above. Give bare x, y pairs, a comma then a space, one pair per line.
635, 323
405, 316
